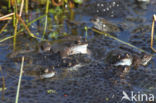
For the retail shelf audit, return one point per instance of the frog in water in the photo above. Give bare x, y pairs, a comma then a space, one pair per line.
50, 73
47, 73
67, 46
104, 25
121, 62
60, 54
127, 59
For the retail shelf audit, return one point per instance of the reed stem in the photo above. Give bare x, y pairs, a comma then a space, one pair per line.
26, 6
19, 81
108, 35
152, 32
46, 18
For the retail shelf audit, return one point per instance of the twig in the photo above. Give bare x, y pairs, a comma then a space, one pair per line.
5, 16
21, 9
4, 27
19, 81
26, 27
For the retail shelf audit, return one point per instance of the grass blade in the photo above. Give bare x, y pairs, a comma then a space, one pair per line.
19, 81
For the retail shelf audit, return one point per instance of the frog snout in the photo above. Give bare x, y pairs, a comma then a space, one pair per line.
93, 20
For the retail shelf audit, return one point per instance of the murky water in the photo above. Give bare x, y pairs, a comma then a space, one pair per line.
95, 81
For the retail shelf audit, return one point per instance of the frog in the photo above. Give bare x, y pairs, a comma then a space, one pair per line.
47, 73
67, 46
143, 3
124, 58
66, 52
122, 62
103, 25
56, 71
143, 60
50, 73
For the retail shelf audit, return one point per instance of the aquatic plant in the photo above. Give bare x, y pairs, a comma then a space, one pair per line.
19, 81
152, 32
18, 21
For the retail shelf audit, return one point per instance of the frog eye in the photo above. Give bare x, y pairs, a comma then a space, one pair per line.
76, 42
145, 56
46, 70
64, 61
127, 55
69, 64
119, 57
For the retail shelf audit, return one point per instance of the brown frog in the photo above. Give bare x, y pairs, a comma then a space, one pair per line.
47, 74
121, 58
144, 60
104, 25
67, 46
122, 61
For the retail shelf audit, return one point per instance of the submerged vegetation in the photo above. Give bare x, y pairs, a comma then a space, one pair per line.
20, 22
